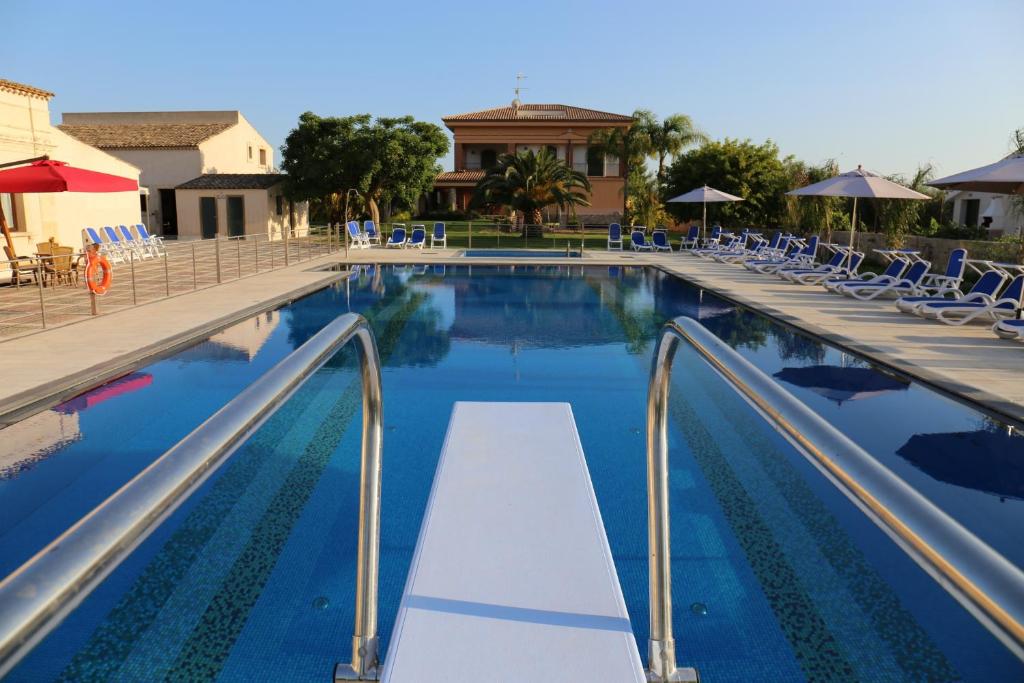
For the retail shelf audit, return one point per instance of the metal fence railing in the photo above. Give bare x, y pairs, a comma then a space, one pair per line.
47, 290
495, 235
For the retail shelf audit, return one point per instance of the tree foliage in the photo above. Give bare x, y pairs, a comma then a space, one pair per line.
740, 167
528, 182
387, 160
669, 137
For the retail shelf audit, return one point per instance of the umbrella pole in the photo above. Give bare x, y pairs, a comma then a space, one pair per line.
853, 227
704, 223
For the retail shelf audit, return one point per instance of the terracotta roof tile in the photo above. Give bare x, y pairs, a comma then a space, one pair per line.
540, 112
233, 181
458, 177
22, 89
145, 135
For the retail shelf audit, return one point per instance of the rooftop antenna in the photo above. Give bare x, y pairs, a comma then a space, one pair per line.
519, 78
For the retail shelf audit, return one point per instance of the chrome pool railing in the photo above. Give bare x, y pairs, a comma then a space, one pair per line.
984, 582
42, 592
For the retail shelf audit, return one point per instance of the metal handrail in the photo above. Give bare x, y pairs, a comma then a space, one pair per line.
43, 591
988, 585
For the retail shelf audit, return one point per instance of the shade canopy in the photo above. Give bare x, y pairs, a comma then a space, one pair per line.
858, 183
1002, 177
984, 460
56, 176
705, 195
841, 384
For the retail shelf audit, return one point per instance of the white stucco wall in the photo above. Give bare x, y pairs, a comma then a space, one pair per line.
1005, 221
228, 152
260, 212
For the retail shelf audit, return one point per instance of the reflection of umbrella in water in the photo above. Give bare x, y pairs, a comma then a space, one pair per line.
121, 385
840, 384
983, 460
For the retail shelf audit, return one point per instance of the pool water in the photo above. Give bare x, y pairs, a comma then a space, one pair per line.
776, 576
519, 253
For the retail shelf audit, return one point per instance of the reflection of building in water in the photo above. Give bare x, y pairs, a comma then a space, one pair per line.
239, 342
35, 438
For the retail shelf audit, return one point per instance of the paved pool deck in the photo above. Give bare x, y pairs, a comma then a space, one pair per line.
967, 362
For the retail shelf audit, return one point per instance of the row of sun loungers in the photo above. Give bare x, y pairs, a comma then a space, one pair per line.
996, 297
400, 238
123, 242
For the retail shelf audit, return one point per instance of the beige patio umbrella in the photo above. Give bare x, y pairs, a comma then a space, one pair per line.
857, 184
1003, 177
703, 195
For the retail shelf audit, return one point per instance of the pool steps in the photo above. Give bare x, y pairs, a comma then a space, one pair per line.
512, 577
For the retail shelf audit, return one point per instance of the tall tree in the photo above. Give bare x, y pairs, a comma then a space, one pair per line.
630, 146
528, 182
671, 136
384, 159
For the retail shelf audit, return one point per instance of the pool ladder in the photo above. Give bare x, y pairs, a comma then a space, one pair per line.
40, 594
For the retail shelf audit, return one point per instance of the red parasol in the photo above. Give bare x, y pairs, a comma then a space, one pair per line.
56, 176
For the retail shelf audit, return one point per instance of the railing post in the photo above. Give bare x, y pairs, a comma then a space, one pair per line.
470, 246
131, 265
347, 238
256, 250
39, 286
195, 278
216, 250
286, 246
167, 275
238, 255
273, 250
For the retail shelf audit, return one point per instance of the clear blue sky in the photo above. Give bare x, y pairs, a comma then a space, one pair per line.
889, 84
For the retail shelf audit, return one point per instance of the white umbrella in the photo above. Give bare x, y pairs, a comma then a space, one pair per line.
1002, 177
703, 195
857, 184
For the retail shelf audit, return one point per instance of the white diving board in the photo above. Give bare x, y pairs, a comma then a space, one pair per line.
512, 578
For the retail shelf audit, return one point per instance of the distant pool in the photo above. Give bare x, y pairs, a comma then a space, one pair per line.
519, 253
777, 576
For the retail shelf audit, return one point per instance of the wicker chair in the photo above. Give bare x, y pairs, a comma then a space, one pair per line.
19, 265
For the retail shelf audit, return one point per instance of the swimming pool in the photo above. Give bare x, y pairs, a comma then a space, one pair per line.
776, 576
519, 253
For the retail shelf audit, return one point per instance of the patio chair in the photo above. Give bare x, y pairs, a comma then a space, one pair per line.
371, 233
128, 239
953, 276
692, 239
713, 239
114, 243
418, 237
638, 242
63, 267
835, 267
907, 285
659, 240
21, 265
800, 258
356, 239
439, 236
154, 242
92, 236
983, 290
892, 273
963, 312
1011, 328
397, 238
614, 237
759, 248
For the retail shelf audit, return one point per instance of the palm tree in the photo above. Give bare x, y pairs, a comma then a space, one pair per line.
670, 137
629, 145
528, 182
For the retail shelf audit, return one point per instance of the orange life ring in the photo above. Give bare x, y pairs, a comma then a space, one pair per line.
103, 285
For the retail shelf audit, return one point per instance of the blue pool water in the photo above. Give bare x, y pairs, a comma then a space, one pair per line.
777, 577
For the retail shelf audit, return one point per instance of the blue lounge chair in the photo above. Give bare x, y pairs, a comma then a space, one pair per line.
371, 232
950, 280
439, 236
614, 237
112, 246
835, 267
659, 240
759, 248
983, 290
892, 273
638, 242
397, 238
778, 250
356, 238
716, 236
418, 237
1011, 328
800, 259
962, 312
692, 239
908, 284
154, 242
142, 251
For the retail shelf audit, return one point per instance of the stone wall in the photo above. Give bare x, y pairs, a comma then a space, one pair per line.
935, 249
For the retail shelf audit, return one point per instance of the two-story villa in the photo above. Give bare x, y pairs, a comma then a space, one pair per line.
482, 135
208, 172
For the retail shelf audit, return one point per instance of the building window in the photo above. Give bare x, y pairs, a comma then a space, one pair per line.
595, 162
488, 158
7, 204
250, 152
280, 204
263, 156
611, 165
972, 207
